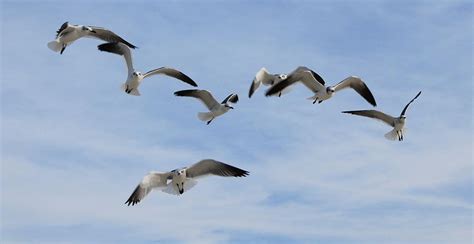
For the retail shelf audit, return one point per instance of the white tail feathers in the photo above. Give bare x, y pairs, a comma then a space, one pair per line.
392, 135
205, 116
55, 46
133, 92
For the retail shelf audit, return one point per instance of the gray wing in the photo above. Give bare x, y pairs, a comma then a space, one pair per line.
301, 74
148, 183
375, 115
120, 49
359, 86
232, 98
213, 167
203, 95
405, 109
172, 73
108, 36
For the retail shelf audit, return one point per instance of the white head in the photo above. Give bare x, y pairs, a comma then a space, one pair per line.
330, 90
282, 76
136, 73
179, 176
87, 28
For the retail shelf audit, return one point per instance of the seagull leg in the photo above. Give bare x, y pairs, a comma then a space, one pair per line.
208, 122
279, 94
315, 100
62, 49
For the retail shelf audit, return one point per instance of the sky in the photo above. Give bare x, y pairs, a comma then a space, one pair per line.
74, 146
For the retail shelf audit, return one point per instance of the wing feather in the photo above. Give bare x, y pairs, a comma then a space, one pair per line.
108, 36
148, 183
375, 115
405, 109
359, 86
213, 167
119, 49
171, 73
204, 96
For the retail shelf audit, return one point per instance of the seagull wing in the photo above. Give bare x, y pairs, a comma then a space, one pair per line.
359, 86
405, 109
232, 98
108, 36
375, 115
301, 74
172, 73
120, 49
63, 27
203, 95
150, 181
213, 167
262, 76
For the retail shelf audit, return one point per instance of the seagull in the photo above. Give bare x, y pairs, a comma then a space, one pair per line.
177, 181
397, 123
68, 33
216, 109
134, 77
315, 83
267, 79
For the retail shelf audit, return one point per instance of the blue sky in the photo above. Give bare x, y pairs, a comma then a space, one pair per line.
74, 146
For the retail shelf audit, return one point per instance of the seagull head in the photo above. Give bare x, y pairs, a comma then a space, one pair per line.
282, 76
228, 106
136, 73
87, 28
330, 90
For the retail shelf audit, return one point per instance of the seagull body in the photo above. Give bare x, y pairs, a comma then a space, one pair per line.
398, 123
267, 79
68, 33
316, 84
215, 108
178, 181
134, 77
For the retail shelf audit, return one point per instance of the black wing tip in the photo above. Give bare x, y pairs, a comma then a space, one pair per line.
234, 99
185, 92
107, 47
132, 202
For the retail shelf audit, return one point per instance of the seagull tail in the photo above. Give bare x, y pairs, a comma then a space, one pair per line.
392, 135
205, 116
55, 45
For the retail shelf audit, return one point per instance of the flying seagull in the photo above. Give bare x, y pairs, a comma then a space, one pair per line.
68, 33
134, 77
267, 79
216, 109
178, 181
397, 123
316, 84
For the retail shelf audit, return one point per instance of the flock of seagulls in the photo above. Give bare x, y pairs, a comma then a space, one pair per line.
180, 180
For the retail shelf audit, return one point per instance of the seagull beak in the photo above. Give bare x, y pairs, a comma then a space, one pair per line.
231, 107
93, 31
181, 191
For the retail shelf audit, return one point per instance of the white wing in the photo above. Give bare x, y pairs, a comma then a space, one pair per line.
359, 86
213, 167
203, 95
148, 183
120, 49
262, 76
